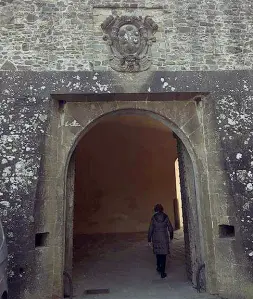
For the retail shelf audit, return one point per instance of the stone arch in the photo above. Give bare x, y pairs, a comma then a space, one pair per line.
77, 118
136, 111
186, 146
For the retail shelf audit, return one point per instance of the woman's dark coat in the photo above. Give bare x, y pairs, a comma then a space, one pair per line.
160, 232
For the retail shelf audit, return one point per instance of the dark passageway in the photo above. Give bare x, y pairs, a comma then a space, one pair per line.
124, 166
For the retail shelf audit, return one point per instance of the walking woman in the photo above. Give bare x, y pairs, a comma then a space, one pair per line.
160, 233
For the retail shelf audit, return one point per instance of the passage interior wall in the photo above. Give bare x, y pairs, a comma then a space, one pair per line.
123, 168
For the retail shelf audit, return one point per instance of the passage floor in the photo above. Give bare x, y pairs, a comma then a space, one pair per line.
124, 264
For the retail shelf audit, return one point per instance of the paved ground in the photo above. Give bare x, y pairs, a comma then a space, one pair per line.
125, 265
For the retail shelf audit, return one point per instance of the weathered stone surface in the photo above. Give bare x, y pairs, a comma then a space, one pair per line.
66, 35
22, 130
209, 48
8, 66
235, 126
26, 109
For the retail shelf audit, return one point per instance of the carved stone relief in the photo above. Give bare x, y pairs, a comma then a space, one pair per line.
130, 39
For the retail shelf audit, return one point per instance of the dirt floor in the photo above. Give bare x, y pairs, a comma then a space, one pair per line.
125, 265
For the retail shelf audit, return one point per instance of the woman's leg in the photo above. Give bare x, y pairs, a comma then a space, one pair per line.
163, 265
158, 262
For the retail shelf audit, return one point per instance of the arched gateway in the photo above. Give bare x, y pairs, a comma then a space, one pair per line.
185, 119
67, 65
215, 189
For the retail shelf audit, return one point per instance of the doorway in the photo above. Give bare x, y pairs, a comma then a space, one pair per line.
123, 166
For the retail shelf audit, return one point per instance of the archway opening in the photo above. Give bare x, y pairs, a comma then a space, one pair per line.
124, 165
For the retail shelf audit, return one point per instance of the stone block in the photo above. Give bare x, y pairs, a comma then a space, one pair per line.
218, 182
215, 161
222, 205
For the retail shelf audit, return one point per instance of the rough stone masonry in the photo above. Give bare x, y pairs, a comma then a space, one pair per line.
51, 50
66, 35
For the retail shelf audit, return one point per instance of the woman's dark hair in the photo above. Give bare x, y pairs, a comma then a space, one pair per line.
158, 208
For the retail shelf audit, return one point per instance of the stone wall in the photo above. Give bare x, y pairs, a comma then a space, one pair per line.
66, 35
234, 124
227, 126
22, 128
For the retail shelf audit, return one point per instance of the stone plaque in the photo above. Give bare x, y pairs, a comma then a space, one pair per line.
130, 39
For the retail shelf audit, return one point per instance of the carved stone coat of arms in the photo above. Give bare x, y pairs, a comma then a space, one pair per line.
130, 39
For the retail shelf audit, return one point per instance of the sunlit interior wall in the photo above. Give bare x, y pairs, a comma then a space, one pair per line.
124, 166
